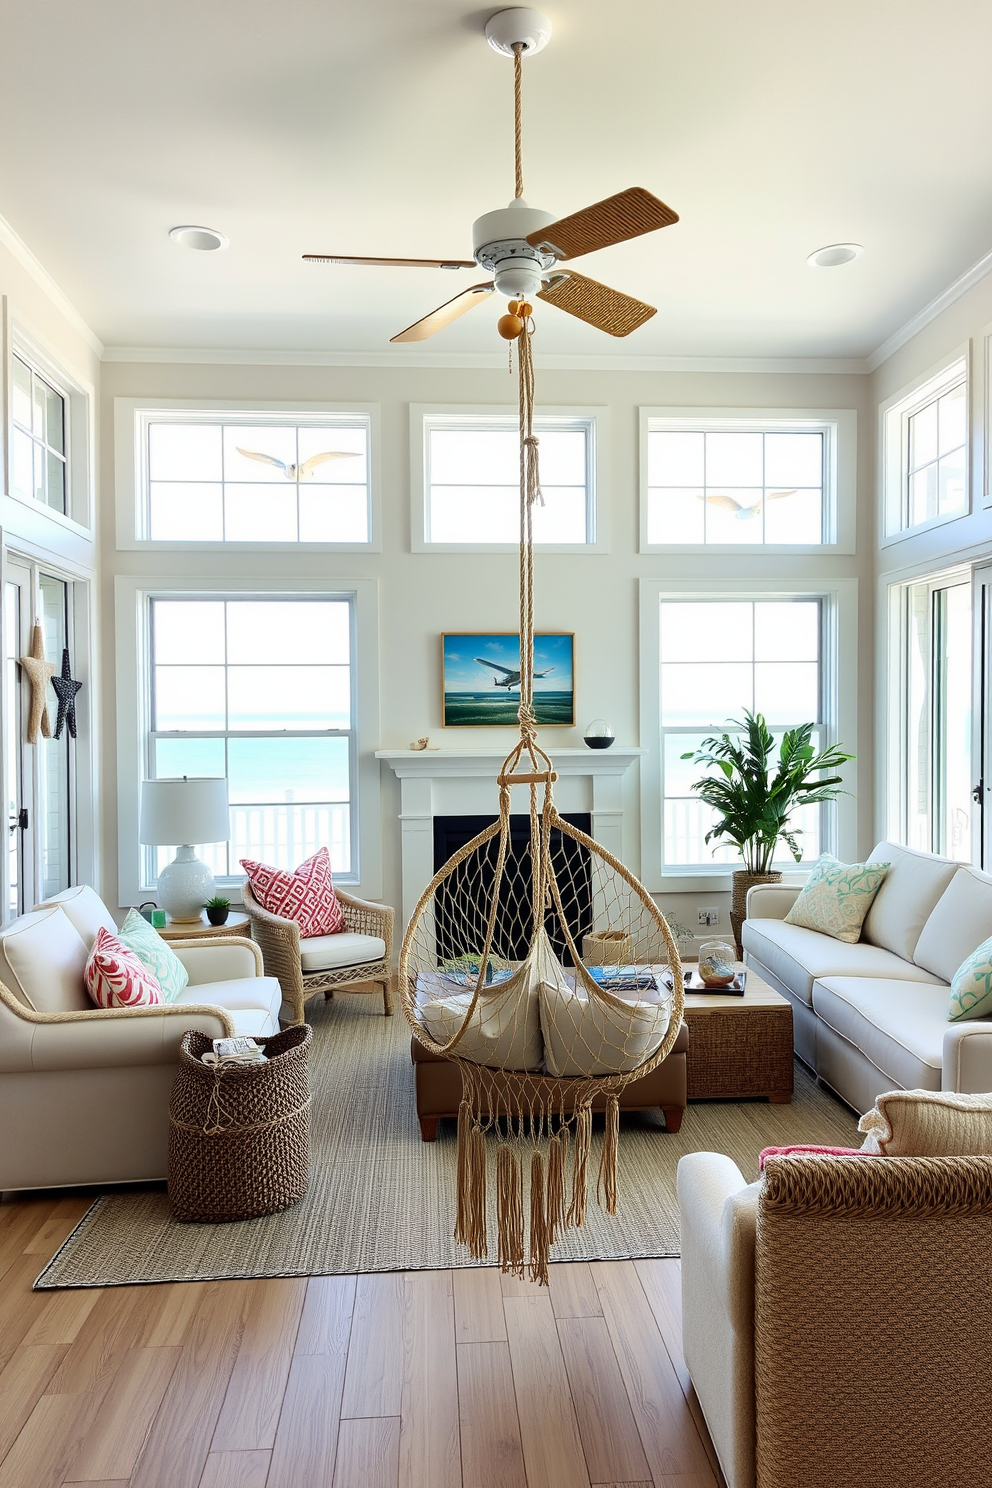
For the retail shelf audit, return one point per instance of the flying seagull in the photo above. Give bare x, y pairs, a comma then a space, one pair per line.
305, 470
509, 678
741, 512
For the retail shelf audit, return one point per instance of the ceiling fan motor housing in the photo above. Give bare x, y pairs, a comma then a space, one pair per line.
499, 241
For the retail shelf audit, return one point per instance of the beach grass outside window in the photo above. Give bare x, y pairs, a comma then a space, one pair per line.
472, 481
253, 477
925, 437
259, 690
38, 437
738, 482
716, 658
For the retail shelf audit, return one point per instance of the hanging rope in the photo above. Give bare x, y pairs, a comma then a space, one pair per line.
518, 155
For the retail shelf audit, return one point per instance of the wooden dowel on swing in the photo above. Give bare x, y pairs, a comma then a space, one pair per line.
533, 777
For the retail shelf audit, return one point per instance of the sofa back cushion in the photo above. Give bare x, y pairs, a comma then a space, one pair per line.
84, 908
959, 922
43, 959
904, 903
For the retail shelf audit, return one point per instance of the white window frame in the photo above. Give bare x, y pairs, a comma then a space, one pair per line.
895, 758
839, 687
78, 518
468, 415
132, 596
894, 416
839, 426
132, 417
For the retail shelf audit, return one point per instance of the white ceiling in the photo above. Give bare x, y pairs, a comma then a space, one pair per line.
385, 127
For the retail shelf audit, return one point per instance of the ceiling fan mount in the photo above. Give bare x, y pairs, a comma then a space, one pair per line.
522, 246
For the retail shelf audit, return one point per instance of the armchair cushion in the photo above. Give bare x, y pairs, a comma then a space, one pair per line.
306, 895
159, 957
253, 994
45, 957
84, 909
324, 952
929, 1123
117, 977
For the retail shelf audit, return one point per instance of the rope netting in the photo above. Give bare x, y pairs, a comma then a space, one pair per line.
549, 975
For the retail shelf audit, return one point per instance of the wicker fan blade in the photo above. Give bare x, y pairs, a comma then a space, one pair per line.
402, 263
617, 314
445, 313
626, 215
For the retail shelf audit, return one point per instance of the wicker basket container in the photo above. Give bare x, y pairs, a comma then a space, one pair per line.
742, 881
607, 948
239, 1135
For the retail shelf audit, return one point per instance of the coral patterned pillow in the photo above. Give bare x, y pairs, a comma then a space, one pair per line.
306, 895
116, 978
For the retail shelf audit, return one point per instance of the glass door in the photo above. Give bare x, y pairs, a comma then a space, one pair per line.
17, 755
982, 781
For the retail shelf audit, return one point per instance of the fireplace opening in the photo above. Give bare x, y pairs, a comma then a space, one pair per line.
463, 900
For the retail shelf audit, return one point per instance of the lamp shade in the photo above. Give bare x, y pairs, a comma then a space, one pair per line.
192, 809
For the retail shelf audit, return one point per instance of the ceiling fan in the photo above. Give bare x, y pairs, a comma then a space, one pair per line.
522, 246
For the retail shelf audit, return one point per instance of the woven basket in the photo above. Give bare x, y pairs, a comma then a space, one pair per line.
239, 1135
738, 905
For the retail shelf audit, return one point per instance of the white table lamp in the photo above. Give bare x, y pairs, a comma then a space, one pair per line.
176, 813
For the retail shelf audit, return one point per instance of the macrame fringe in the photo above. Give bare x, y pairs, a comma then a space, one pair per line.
606, 1187
580, 1167
510, 1209
555, 1206
540, 1248
470, 1222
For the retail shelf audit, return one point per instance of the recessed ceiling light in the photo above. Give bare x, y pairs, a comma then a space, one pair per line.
203, 239
834, 255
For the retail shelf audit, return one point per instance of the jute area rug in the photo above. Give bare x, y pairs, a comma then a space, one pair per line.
380, 1199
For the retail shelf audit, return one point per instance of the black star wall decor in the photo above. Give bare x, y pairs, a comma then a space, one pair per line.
65, 690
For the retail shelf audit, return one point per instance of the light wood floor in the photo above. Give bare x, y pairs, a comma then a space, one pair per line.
430, 1379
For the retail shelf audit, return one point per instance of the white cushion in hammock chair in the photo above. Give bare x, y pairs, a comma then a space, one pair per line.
583, 1035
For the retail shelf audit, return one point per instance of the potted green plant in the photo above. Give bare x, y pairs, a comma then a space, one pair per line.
218, 908
755, 798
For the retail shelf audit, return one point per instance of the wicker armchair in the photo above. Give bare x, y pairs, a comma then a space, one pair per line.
282, 951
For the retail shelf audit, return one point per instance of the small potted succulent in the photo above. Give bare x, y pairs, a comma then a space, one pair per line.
218, 908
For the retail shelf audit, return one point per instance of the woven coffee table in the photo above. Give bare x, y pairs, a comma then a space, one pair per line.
739, 1046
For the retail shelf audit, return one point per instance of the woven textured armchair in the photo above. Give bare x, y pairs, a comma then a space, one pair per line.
837, 1316
282, 951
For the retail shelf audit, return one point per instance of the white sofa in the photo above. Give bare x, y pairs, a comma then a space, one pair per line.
872, 1016
84, 1091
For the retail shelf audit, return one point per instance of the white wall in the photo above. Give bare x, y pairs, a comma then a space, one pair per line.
422, 595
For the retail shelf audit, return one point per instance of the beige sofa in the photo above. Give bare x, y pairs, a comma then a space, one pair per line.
873, 1016
84, 1091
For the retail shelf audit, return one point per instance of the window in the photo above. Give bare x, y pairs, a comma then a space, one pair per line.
38, 439
252, 477
931, 766
471, 481
717, 657
745, 480
260, 690
925, 437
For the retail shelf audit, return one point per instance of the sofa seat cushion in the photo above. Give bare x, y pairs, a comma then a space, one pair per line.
328, 952
911, 887
899, 1026
243, 994
798, 957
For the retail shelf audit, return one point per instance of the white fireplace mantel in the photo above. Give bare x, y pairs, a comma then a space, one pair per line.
462, 782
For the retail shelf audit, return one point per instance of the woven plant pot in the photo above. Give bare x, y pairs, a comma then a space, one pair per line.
738, 904
239, 1135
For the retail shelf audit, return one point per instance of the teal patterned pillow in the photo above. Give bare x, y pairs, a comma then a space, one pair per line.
836, 898
971, 988
157, 955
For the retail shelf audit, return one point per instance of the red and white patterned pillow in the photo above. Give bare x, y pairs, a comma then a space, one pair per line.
306, 895
116, 978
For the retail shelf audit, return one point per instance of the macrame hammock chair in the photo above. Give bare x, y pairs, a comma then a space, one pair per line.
537, 1036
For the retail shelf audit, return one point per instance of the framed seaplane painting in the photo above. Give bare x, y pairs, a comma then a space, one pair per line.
480, 679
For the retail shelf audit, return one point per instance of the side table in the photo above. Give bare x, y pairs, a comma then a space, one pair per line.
236, 924
739, 1047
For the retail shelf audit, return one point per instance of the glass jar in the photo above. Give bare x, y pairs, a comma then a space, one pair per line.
717, 963
598, 734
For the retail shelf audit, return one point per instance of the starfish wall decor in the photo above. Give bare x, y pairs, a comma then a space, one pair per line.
38, 671
65, 690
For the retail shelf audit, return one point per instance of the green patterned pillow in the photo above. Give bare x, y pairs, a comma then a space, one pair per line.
971, 987
836, 898
157, 954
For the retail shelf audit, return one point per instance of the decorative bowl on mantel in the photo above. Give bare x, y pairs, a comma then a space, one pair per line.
598, 735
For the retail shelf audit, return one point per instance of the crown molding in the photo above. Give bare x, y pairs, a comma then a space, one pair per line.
19, 250
930, 311
488, 361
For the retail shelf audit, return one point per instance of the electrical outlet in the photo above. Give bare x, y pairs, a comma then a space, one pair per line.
710, 916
